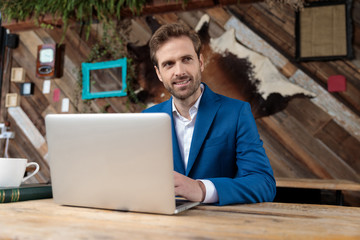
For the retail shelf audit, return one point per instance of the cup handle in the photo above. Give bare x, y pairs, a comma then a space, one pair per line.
34, 172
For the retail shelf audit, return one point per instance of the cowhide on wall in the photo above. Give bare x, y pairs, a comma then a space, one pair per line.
225, 73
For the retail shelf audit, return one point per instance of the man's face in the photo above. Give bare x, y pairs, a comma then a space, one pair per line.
179, 68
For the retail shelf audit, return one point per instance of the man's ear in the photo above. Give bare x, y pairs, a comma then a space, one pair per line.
158, 73
201, 61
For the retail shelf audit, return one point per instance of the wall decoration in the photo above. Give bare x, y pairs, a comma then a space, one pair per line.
324, 31
27, 89
49, 61
337, 83
65, 105
12, 40
234, 68
46, 87
17, 74
111, 73
56, 95
12, 100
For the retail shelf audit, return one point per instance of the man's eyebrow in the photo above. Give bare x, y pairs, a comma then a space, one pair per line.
172, 61
187, 55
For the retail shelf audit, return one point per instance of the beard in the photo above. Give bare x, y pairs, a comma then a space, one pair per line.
183, 93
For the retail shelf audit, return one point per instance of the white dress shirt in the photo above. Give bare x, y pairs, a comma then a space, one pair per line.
184, 132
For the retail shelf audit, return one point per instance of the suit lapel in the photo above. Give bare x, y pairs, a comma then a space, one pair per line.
209, 105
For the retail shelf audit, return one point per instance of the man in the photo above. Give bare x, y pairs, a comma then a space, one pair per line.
218, 155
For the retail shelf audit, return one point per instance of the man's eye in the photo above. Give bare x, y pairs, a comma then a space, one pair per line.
168, 64
187, 59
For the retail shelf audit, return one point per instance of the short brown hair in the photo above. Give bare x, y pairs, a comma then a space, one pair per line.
172, 30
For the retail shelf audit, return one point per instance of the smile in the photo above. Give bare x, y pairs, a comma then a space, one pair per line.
183, 82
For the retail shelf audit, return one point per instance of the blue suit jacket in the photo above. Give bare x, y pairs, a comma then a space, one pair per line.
225, 149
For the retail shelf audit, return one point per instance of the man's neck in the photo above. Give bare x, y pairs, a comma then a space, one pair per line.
183, 105
183, 108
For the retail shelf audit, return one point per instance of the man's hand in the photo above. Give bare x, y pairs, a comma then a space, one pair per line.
188, 188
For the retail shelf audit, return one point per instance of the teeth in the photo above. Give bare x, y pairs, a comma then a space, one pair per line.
183, 82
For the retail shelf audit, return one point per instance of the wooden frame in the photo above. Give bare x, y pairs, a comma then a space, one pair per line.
316, 39
50, 61
12, 100
87, 67
18, 74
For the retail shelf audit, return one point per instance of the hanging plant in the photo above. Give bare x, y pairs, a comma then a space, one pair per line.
67, 10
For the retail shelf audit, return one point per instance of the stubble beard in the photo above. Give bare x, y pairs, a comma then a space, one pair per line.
191, 89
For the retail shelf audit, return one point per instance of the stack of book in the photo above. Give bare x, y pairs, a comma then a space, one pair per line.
25, 192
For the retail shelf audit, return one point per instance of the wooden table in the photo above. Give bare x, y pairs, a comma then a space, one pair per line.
43, 219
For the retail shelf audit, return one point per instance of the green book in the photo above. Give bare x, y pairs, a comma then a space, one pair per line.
25, 192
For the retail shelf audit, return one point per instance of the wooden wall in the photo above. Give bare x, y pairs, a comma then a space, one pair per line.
309, 139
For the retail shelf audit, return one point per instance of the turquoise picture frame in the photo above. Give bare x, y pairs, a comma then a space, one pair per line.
87, 67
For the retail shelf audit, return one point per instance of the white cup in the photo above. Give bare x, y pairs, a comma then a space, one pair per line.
12, 171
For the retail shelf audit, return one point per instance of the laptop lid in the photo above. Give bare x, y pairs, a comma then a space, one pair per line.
119, 161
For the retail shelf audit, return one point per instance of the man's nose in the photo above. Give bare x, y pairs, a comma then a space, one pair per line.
179, 69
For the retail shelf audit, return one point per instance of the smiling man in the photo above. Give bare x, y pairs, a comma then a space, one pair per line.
218, 154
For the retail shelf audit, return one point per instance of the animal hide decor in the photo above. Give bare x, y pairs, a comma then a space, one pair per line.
230, 69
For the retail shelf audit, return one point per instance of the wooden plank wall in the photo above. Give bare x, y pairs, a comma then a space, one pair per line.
33, 109
309, 135
305, 140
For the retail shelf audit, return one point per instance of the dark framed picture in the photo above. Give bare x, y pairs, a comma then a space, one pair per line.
324, 31
27, 89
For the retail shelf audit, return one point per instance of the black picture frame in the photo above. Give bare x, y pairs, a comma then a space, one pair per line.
27, 89
349, 31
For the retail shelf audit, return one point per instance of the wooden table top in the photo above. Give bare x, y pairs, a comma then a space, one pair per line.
43, 219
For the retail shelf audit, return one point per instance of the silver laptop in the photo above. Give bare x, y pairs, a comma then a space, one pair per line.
113, 161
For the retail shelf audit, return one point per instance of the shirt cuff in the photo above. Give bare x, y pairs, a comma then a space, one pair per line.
211, 195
